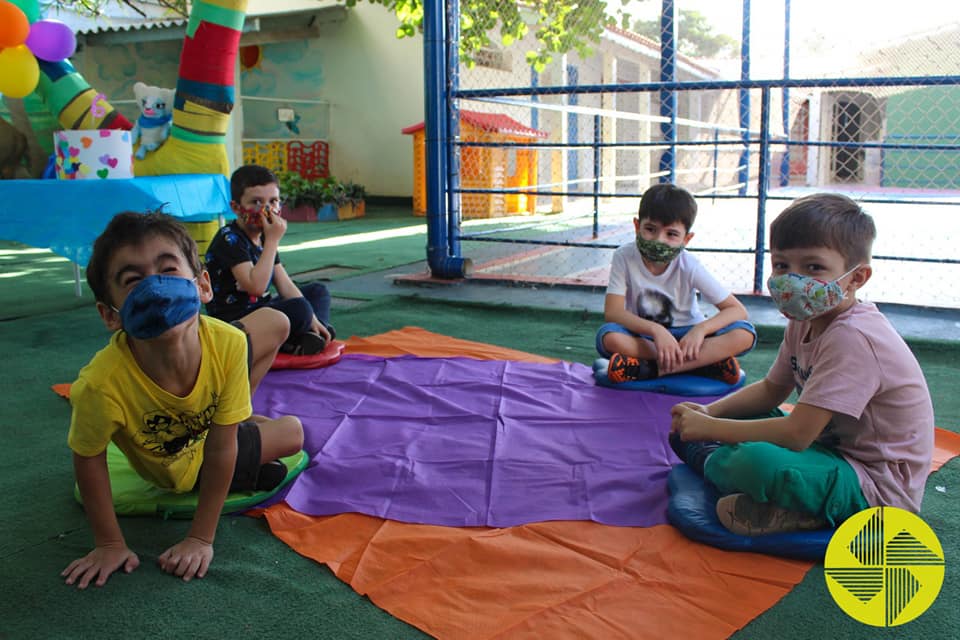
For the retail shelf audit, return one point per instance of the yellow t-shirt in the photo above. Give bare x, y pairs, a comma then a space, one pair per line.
161, 434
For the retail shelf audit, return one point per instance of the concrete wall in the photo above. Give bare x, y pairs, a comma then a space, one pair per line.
376, 89
374, 85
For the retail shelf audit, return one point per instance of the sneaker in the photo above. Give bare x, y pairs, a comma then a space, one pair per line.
305, 344
271, 475
695, 452
626, 368
727, 371
744, 516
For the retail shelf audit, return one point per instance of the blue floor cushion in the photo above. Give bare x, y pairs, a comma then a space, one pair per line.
692, 510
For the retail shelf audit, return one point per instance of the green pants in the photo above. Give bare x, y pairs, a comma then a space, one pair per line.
815, 480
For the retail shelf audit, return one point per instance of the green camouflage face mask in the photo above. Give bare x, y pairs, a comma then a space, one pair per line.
655, 251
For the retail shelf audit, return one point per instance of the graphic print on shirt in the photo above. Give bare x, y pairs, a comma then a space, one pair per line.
653, 305
828, 437
167, 433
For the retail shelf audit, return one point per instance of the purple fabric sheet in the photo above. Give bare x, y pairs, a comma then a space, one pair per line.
464, 442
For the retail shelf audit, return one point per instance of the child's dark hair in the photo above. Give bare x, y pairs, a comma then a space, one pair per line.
667, 203
249, 175
131, 228
825, 220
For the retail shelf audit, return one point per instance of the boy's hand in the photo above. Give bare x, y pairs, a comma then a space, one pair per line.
691, 421
669, 354
317, 327
273, 227
99, 564
187, 559
690, 343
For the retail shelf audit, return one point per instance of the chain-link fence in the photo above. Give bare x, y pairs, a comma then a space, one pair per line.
561, 153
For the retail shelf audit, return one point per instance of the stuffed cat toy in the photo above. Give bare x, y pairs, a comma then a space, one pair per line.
156, 114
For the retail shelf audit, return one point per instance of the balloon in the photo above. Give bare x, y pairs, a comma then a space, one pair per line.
51, 40
14, 26
19, 72
30, 8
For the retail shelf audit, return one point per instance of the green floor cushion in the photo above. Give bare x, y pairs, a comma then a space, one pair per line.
134, 496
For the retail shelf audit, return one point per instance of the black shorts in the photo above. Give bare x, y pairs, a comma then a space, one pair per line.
247, 469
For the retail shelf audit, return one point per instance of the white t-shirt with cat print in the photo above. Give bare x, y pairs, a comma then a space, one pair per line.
670, 298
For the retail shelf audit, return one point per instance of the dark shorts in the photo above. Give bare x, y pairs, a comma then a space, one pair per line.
247, 467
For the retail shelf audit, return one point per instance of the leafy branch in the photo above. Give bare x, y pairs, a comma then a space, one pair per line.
558, 26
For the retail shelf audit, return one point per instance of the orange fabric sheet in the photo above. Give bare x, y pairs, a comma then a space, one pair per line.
542, 580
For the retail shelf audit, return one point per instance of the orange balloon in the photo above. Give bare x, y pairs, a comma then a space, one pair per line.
14, 25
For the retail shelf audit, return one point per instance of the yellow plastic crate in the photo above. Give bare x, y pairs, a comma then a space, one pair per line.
272, 155
202, 233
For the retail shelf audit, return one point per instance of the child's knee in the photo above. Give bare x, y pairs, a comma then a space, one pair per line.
280, 326
744, 340
741, 468
296, 428
292, 433
271, 329
611, 342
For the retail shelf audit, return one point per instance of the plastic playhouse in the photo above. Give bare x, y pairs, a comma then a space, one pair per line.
484, 167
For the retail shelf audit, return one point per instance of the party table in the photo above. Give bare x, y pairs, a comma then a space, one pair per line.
66, 216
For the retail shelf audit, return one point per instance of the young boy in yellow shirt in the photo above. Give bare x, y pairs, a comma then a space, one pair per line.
171, 390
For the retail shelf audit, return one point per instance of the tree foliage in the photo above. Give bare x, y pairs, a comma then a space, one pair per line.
96, 7
695, 36
558, 26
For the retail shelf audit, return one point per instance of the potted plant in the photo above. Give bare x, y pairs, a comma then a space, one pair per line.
339, 200
300, 197
354, 200
329, 196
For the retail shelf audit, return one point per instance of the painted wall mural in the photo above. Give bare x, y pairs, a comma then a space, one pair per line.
289, 75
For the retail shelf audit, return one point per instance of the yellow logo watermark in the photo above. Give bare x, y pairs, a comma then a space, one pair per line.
884, 566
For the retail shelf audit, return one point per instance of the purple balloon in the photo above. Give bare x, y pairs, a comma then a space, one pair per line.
51, 40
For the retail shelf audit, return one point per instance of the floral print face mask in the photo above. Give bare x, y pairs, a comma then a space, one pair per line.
803, 297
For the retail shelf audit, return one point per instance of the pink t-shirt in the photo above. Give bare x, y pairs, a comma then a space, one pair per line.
863, 371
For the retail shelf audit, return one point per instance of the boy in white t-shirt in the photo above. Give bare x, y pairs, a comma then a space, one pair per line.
654, 325
861, 434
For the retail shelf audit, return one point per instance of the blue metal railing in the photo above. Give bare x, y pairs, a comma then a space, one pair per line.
442, 94
762, 143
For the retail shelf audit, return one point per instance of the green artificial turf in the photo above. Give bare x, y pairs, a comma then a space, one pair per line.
259, 587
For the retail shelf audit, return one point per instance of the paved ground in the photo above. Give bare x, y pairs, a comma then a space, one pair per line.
910, 321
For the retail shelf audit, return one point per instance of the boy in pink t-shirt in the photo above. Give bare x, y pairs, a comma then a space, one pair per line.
861, 434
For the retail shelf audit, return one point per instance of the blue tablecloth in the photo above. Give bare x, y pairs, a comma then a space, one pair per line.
66, 216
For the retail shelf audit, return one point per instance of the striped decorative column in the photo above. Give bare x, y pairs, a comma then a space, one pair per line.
71, 99
204, 96
205, 93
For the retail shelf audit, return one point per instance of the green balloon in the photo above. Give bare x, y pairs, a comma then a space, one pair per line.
30, 8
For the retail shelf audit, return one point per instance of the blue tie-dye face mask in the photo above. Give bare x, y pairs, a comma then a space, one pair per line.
157, 304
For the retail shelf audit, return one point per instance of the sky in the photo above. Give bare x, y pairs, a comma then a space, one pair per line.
825, 27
